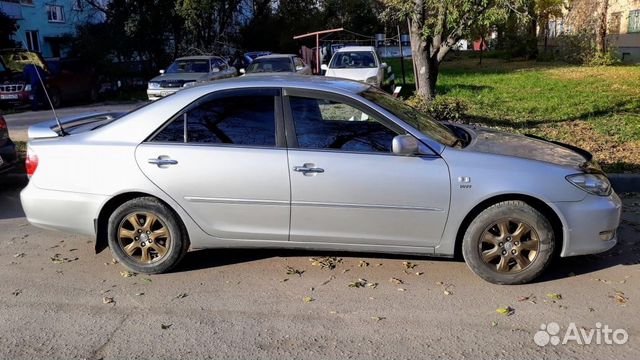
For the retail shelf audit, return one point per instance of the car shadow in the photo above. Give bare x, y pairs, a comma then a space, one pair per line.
10, 186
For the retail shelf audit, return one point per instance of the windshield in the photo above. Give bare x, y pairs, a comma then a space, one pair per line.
353, 59
420, 121
270, 65
189, 66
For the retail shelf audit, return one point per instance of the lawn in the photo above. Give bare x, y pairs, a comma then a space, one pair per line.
596, 108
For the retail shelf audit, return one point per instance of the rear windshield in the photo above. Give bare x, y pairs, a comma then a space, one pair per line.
189, 66
270, 65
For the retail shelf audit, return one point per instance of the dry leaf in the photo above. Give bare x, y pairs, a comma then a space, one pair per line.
292, 271
494, 323
554, 296
147, 280
402, 289
620, 298
506, 311
127, 274
409, 264
182, 296
439, 283
396, 281
328, 280
17, 292
326, 262
107, 300
165, 326
448, 292
19, 255
419, 273
308, 299
363, 263
139, 294
377, 318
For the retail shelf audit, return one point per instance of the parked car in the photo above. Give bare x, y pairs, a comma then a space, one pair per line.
315, 163
187, 71
8, 155
66, 79
360, 63
278, 63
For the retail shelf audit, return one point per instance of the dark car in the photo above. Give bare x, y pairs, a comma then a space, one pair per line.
8, 155
65, 79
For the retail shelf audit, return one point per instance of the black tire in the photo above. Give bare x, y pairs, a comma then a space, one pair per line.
175, 248
484, 230
56, 98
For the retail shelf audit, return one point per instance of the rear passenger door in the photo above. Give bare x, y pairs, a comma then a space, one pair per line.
223, 159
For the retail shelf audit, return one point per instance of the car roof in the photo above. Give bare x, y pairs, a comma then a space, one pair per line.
275, 56
283, 80
356, 48
198, 57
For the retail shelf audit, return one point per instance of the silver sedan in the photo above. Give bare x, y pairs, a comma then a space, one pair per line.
314, 163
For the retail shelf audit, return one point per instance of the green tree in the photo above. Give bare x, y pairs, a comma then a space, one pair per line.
436, 26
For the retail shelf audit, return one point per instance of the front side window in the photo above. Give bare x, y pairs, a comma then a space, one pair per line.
55, 13
353, 59
244, 117
331, 125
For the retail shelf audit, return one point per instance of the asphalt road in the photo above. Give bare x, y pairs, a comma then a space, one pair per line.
60, 300
18, 123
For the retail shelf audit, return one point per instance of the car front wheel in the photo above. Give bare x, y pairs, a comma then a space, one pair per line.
146, 237
509, 243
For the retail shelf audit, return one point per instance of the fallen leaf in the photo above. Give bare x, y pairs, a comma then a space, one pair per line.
448, 292
494, 323
554, 296
139, 294
284, 280
182, 296
363, 263
377, 318
590, 309
19, 255
292, 271
107, 300
17, 292
620, 298
372, 285
409, 264
127, 274
506, 311
419, 273
165, 326
326, 262
396, 281
311, 289
147, 280
328, 280
308, 299
379, 264
114, 261
402, 289
439, 283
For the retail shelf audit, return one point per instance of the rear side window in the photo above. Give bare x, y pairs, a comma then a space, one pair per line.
245, 117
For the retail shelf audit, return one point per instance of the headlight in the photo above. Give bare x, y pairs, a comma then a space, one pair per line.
188, 84
27, 87
596, 184
154, 85
372, 80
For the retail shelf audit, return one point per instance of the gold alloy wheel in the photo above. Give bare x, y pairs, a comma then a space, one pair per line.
144, 237
509, 245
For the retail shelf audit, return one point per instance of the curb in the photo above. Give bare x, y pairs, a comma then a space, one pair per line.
625, 182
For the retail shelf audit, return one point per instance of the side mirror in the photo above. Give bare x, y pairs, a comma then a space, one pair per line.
405, 145
324, 67
215, 70
384, 65
242, 71
161, 71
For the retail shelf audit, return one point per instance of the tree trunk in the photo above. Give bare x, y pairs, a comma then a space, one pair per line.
426, 67
601, 31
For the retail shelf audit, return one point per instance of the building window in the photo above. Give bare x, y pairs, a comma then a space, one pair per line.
55, 13
634, 21
33, 41
26, 2
78, 5
614, 23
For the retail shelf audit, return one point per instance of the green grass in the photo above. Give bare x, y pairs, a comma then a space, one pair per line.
597, 108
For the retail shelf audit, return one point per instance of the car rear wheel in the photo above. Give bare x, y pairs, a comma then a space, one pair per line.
146, 237
509, 243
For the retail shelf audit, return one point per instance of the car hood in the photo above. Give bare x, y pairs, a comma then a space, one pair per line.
353, 74
530, 147
181, 76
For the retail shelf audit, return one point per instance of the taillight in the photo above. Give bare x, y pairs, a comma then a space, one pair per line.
31, 162
4, 132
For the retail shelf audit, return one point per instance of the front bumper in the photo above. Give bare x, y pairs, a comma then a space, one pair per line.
61, 210
155, 94
584, 221
15, 98
8, 156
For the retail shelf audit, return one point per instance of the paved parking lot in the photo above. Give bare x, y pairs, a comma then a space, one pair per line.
60, 300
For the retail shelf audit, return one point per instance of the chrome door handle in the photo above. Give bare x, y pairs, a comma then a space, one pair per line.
308, 169
163, 161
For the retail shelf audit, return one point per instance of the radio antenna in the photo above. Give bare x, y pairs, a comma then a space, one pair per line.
44, 87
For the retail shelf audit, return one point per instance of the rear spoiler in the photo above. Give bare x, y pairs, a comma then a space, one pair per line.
50, 129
